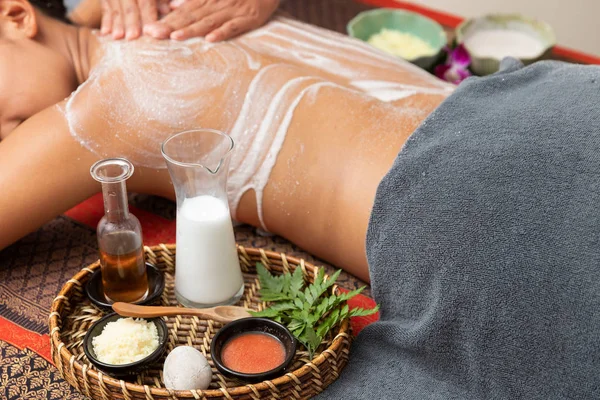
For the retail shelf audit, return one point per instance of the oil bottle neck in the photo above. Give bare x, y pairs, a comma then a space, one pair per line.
115, 201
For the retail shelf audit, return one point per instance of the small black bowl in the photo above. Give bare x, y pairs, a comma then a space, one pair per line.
249, 325
95, 290
121, 370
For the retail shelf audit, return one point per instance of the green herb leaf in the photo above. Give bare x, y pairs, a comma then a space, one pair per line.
309, 312
269, 284
297, 282
361, 312
268, 313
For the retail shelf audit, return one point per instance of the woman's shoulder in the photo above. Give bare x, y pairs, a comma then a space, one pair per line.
139, 91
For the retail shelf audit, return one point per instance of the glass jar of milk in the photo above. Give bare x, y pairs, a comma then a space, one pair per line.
207, 269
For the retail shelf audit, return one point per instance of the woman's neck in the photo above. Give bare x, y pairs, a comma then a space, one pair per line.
77, 45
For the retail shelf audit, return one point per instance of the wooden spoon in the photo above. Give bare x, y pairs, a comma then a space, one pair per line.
219, 313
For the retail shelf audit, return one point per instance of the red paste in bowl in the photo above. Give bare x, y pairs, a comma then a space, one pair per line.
253, 353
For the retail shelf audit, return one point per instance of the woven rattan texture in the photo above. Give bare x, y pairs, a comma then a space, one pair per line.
72, 314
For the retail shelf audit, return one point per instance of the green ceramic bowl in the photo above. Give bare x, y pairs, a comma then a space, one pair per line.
484, 65
368, 23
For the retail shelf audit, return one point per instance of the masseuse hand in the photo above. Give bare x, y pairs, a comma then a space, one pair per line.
214, 19
126, 18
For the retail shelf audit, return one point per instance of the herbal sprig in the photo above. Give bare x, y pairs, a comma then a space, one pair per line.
309, 312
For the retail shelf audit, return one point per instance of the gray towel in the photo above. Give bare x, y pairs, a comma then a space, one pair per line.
484, 247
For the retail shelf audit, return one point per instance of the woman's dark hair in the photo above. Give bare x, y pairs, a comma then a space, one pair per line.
53, 8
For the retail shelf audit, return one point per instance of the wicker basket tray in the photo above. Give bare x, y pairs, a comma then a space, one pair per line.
72, 314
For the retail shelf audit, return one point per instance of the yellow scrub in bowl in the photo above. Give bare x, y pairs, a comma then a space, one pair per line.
405, 45
408, 35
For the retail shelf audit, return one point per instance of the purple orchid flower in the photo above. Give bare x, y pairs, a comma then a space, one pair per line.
455, 70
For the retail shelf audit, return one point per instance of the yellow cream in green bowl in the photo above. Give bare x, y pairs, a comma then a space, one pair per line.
404, 34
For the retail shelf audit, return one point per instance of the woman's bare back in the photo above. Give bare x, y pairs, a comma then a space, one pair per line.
141, 92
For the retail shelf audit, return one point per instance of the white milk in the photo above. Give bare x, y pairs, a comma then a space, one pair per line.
207, 267
500, 43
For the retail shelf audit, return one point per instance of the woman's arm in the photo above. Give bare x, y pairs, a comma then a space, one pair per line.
43, 172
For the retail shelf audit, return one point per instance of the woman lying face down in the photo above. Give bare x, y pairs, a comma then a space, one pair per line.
317, 119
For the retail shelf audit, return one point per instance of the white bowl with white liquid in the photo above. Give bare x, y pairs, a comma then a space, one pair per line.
491, 38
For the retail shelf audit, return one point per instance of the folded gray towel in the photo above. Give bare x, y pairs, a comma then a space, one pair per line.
484, 247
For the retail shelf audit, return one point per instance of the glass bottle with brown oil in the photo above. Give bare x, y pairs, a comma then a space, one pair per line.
124, 275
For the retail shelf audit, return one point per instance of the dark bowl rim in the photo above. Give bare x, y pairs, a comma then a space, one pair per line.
151, 297
260, 375
100, 364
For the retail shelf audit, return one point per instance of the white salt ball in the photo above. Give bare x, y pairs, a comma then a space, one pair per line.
186, 368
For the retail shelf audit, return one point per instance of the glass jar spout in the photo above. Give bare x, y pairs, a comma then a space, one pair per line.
198, 162
207, 269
